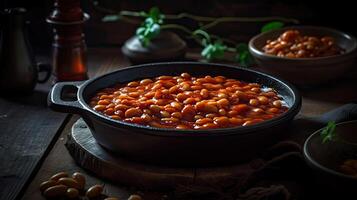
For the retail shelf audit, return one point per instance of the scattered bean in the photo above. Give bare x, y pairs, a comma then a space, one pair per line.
80, 178
94, 191
55, 191
59, 175
135, 197
72, 193
47, 184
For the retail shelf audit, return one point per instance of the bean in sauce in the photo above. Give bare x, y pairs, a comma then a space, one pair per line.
187, 102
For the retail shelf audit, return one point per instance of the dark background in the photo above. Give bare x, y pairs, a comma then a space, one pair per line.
336, 14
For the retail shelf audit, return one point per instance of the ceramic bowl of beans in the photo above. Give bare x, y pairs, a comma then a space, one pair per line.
183, 113
305, 55
334, 162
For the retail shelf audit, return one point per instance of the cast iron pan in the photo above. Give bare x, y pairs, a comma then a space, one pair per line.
178, 147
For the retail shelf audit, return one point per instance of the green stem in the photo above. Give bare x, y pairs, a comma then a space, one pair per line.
131, 13
130, 21
184, 29
224, 39
248, 19
230, 49
176, 26
213, 20
187, 15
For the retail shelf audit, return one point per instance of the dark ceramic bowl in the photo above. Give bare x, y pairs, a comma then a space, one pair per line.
325, 158
306, 71
172, 146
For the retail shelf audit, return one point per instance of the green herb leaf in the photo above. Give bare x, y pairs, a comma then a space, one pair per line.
214, 51
151, 26
156, 15
243, 57
328, 133
272, 26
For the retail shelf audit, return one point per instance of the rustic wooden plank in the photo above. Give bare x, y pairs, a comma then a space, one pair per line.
27, 128
60, 160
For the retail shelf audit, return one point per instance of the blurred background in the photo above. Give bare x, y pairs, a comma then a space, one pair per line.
329, 13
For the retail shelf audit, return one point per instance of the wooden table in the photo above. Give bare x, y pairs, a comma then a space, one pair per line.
32, 137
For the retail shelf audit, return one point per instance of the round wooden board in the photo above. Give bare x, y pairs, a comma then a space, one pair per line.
91, 156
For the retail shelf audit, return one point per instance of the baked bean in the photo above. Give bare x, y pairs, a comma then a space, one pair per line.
211, 115
277, 103
116, 117
188, 112
176, 115
254, 102
145, 81
273, 110
155, 108
109, 111
186, 102
240, 108
232, 113
174, 89
258, 110
292, 44
133, 84
263, 99
190, 101
99, 107
222, 103
165, 114
185, 87
133, 112
250, 122
203, 121
197, 117
170, 120
221, 121
222, 111
181, 97
209, 126
103, 102
204, 93
255, 89
235, 121
181, 126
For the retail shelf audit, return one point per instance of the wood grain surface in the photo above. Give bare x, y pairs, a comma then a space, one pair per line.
27, 129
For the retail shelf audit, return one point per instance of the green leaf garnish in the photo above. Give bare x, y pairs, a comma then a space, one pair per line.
214, 51
243, 57
151, 26
329, 133
272, 26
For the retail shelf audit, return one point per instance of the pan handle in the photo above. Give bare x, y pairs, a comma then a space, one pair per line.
56, 102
